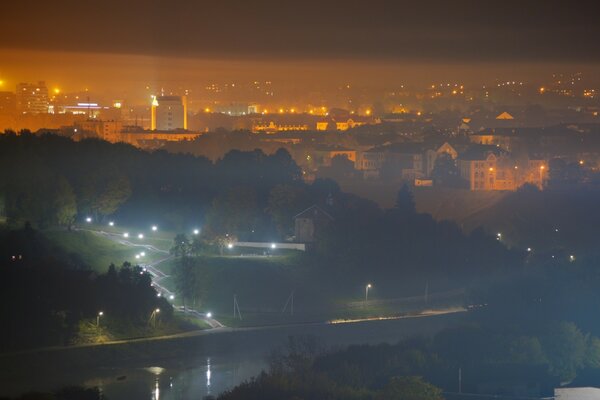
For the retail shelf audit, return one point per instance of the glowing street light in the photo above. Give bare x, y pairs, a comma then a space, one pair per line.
143, 254
367, 287
154, 228
529, 249
273, 246
230, 245
141, 236
196, 231
171, 297
101, 313
137, 256
126, 235
88, 219
209, 315
571, 258
111, 223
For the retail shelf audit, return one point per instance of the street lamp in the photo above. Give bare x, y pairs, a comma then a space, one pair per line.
229, 245
88, 219
126, 235
141, 236
171, 297
273, 246
101, 313
153, 315
369, 286
111, 223
196, 231
143, 254
209, 315
154, 228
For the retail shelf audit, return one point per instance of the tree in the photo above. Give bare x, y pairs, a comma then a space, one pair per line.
115, 193
409, 388
446, 173
405, 202
235, 212
64, 203
285, 201
185, 279
565, 347
198, 244
181, 246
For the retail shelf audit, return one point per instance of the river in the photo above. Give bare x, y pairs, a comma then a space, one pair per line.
212, 363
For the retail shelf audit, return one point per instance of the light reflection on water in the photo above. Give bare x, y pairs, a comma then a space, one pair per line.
213, 377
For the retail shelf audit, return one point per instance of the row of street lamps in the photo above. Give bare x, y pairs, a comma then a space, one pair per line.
152, 317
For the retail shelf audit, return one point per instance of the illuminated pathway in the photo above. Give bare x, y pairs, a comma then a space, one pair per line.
156, 274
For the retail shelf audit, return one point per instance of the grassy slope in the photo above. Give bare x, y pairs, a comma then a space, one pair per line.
96, 251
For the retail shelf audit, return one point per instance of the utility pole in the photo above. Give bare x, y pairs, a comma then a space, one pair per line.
236, 308
290, 301
459, 380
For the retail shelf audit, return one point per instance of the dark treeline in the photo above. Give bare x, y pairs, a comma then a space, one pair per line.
48, 295
49, 180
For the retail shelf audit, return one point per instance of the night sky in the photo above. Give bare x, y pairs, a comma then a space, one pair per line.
440, 35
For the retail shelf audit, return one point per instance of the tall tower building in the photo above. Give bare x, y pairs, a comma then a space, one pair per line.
32, 98
169, 113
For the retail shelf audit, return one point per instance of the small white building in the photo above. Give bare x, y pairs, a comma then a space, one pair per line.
582, 393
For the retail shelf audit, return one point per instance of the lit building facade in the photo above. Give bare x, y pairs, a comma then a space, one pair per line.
169, 113
495, 169
32, 98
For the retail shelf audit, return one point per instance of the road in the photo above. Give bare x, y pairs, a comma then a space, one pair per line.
224, 329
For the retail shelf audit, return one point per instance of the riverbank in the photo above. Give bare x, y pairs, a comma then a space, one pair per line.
50, 368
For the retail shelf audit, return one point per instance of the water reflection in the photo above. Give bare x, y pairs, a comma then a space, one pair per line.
156, 391
208, 375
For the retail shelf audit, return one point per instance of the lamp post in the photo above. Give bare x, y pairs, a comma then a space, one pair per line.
153, 316
367, 292
101, 313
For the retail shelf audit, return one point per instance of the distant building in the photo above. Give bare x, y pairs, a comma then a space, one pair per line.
579, 393
323, 155
105, 130
340, 124
309, 223
505, 116
32, 98
169, 113
8, 103
400, 160
273, 127
488, 167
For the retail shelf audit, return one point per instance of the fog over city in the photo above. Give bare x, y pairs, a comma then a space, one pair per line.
278, 200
